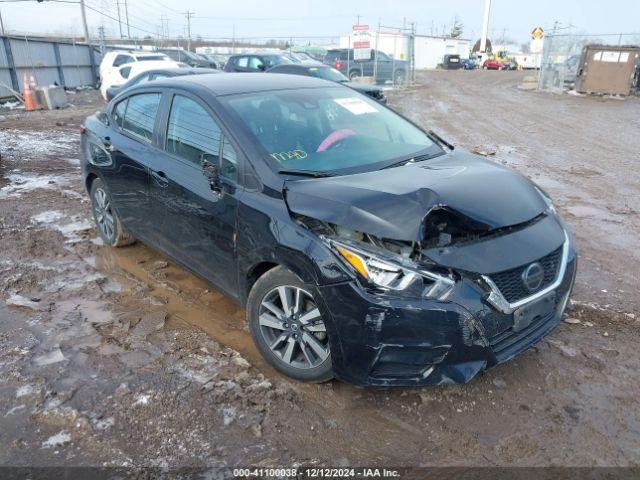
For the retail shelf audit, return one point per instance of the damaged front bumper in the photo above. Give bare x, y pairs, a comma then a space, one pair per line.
385, 340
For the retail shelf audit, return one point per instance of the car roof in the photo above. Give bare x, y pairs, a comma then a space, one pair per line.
236, 83
183, 71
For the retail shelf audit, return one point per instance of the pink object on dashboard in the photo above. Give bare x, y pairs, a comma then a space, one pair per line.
333, 137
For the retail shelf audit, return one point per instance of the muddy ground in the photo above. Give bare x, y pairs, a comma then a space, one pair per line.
118, 357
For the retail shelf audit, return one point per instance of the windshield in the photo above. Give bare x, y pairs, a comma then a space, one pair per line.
327, 73
328, 129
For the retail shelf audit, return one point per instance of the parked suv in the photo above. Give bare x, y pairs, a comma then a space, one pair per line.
387, 69
451, 62
113, 60
362, 246
254, 62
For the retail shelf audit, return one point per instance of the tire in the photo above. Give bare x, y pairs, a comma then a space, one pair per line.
106, 218
399, 77
294, 345
354, 74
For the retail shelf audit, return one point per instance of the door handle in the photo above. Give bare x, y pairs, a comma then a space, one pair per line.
160, 178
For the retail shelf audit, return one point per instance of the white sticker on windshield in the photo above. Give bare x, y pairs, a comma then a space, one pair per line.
356, 105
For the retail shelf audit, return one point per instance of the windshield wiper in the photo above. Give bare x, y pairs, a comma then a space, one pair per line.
305, 173
440, 140
413, 159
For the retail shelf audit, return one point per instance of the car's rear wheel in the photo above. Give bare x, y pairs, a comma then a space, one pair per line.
399, 77
355, 74
107, 221
288, 328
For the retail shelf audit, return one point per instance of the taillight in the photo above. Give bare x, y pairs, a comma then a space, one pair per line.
337, 64
82, 129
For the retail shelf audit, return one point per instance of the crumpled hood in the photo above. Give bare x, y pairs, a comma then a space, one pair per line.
393, 203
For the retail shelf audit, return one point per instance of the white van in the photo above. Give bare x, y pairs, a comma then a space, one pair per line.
110, 73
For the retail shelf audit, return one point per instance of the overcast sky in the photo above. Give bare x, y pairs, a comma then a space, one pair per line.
298, 18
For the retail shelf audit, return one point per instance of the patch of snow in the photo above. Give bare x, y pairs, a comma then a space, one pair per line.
20, 301
57, 440
142, 400
70, 227
20, 183
15, 410
38, 143
54, 356
25, 390
228, 415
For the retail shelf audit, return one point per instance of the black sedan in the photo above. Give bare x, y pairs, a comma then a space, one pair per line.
362, 246
156, 74
330, 73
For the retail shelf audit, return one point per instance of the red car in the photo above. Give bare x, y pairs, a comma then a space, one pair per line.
494, 65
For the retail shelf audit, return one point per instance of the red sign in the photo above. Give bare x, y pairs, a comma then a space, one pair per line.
361, 27
361, 44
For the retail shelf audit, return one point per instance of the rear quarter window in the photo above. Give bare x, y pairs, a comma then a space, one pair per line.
118, 112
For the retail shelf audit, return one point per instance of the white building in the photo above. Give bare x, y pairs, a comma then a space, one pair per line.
429, 50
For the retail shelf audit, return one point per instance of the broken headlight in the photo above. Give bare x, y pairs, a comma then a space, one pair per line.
391, 272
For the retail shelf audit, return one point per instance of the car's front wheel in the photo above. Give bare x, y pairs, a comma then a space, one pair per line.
288, 328
107, 221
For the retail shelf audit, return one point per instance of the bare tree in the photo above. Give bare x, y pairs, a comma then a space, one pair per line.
456, 28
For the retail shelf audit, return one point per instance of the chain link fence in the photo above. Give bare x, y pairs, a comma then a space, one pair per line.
561, 57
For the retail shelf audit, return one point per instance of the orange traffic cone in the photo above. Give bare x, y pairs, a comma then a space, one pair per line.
29, 98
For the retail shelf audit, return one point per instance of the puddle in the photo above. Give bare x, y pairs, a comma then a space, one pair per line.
186, 299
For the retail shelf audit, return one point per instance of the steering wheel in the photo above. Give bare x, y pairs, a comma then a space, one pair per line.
334, 139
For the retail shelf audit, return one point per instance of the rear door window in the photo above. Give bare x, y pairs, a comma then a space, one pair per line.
255, 63
242, 62
140, 115
192, 134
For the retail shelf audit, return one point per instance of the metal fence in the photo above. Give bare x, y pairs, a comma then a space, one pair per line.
68, 64
561, 56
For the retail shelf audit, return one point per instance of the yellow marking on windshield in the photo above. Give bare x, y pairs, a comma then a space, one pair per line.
282, 156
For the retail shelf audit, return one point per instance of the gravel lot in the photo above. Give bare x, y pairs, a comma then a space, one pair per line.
117, 357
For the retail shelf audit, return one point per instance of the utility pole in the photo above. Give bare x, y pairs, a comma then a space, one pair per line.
358, 21
101, 37
126, 16
485, 26
84, 22
119, 19
188, 14
1, 25
233, 43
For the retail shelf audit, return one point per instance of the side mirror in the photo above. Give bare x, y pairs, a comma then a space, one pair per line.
211, 171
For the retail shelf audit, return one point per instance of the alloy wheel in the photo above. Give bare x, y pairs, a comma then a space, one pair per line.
292, 327
103, 213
